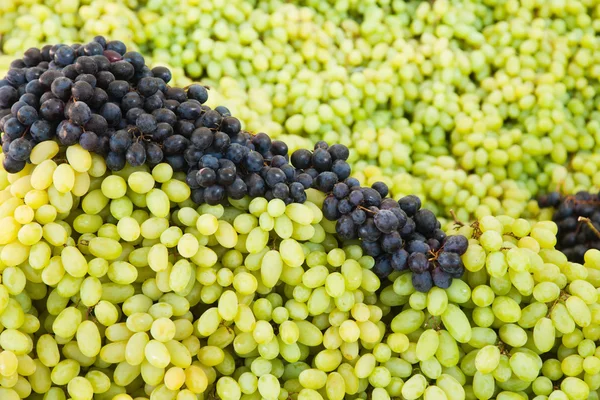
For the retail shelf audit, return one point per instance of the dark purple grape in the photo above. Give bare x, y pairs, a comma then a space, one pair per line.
136, 154
422, 282
456, 244
441, 279
418, 262
386, 221
399, 260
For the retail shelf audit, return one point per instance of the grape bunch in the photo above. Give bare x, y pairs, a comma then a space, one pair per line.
578, 220
400, 235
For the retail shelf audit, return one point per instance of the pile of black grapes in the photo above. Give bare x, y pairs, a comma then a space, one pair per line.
107, 100
578, 220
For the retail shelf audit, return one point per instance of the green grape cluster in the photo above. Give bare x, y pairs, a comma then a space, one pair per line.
115, 286
523, 323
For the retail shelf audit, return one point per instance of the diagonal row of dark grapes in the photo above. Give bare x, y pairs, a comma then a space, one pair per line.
578, 219
105, 99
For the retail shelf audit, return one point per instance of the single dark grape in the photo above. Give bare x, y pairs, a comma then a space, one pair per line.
449, 262
86, 65
383, 267
120, 141
344, 207
12, 166
61, 87
417, 246
82, 91
305, 179
274, 176
130, 101
456, 244
174, 144
368, 231
358, 216
371, 197
221, 141
399, 260
346, 228
214, 194
79, 113
13, 128
330, 208
65, 55
279, 148
20, 149
339, 152
418, 262
41, 130
122, 70
256, 185
154, 153
230, 125
341, 168
209, 161
325, 181
262, 142
226, 176
370, 248
162, 73
35, 87
281, 191
410, 204
238, 189
99, 99
391, 242
386, 221
136, 154
422, 282
68, 133
321, 160
441, 278
297, 192
89, 141
146, 123
356, 197
115, 161
27, 115
381, 188
425, 221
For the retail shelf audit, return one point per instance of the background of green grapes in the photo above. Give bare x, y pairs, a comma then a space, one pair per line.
475, 105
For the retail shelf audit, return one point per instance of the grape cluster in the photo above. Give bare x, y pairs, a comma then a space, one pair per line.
578, 219
400, 235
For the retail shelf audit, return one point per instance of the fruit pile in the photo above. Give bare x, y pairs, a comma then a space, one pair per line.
153, 249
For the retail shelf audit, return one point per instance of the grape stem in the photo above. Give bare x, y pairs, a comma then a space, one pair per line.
366, 209
590, 224
455, 218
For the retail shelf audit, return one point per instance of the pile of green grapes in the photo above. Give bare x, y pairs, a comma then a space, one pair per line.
117, 286
507, 90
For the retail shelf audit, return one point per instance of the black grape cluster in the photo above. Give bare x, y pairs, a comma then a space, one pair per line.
578, 220
106, 99
400, 235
